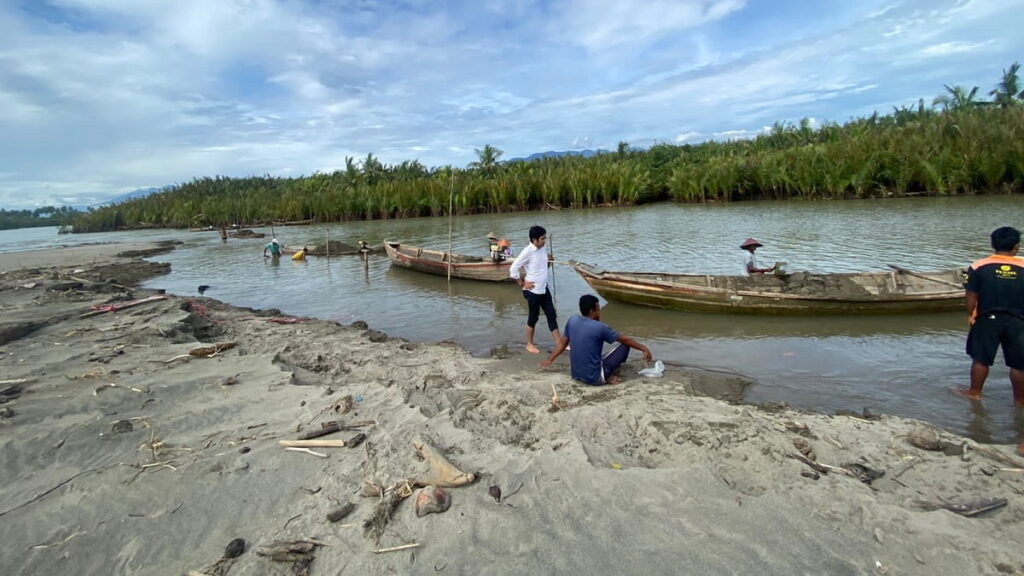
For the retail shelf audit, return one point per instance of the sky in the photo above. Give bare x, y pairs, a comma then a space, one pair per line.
101, 97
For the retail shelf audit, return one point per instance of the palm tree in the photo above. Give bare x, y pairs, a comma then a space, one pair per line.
1009, 90
373, 170
487, 158
957, 98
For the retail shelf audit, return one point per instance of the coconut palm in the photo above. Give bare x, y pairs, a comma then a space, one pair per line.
487, 158
956, 98
1008, 92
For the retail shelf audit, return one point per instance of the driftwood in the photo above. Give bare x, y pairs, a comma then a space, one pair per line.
298, 552
968, 509
444, 473
396, 548
997, 455
115, 307
334, 426
208, 351
313, 443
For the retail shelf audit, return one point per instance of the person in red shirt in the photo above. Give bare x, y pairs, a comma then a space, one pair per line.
995, 308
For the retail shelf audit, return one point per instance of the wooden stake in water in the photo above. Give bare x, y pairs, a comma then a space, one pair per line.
327, 246
451, 201
551, 262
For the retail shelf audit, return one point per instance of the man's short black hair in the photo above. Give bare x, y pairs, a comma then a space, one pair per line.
536, 232
1005, 238
587, 303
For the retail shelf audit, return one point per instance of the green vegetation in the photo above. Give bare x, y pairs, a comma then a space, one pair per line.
47, 216
963, 147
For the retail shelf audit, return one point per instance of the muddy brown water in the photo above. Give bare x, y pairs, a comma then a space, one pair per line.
901, 365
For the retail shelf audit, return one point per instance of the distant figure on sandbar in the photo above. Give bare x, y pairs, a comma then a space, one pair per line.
750, 245
534, 260
585, 337
274, 248
300, 255
995, 311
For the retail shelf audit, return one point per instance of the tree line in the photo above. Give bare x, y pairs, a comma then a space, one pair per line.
957, 145
46, 216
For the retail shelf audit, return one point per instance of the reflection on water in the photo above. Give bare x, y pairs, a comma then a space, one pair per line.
896, 364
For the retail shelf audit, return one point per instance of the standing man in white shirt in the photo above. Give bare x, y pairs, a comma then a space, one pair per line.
534, 260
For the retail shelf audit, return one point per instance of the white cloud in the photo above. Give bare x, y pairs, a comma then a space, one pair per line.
948, 48
600, 25
686, 137
116, 94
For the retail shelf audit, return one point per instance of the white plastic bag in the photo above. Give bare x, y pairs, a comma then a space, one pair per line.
656, 372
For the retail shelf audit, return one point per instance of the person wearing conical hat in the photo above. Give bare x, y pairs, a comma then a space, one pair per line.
750, 245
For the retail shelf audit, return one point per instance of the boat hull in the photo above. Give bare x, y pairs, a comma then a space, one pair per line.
436, 262
802, 293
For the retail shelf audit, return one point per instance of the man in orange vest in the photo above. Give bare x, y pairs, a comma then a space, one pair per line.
995, 308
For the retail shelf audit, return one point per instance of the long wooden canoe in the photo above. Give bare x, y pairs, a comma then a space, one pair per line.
799, 293
436, 262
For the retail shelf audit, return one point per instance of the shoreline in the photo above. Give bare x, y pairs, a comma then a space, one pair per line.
643, 476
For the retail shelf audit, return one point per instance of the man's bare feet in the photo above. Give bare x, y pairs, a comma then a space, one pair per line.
532, 349
967, 393
613, 379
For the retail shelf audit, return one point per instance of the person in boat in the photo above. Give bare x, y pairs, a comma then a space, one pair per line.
300, 255
750, 245
274, 249
585, 337
994, 299
534, 261
500, 250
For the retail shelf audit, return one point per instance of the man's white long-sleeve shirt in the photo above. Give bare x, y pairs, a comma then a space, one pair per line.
535, 261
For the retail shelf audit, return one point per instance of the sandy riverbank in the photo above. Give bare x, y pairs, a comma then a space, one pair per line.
123, 454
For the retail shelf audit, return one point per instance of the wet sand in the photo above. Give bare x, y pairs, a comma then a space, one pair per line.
124, 453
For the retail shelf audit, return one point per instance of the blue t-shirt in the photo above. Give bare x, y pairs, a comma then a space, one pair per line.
587, 338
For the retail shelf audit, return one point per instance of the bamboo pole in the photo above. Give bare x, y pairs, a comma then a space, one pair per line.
451, 202
551, 264
327, 246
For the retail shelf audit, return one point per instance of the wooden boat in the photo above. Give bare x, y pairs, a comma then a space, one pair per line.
897, 291
246, 233
436, 262
337, 248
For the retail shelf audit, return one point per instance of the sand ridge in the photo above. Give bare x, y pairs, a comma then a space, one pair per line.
644, 477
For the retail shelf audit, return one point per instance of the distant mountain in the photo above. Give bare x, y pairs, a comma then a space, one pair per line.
553, 154
137, 193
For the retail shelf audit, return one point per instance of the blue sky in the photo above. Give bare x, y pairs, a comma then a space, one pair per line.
99, 97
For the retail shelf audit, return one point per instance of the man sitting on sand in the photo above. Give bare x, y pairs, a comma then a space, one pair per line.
587, 335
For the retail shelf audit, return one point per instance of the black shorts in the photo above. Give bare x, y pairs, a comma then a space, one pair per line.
990, 331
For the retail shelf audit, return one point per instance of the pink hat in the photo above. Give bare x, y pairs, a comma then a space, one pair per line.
750, 242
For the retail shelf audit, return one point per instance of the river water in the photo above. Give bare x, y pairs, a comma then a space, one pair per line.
901, 365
